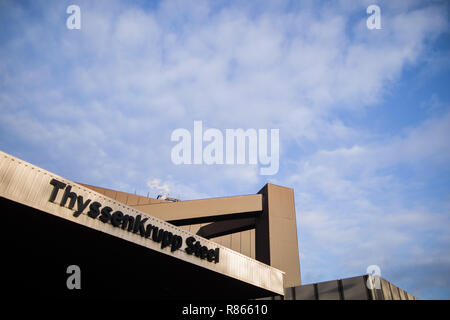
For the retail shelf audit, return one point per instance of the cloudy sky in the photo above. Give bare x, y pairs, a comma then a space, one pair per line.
363, 115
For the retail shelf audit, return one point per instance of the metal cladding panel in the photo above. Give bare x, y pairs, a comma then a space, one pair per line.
29, 185
394, 292
289, 293
386, 289
402, 294
355, 288
305, 292
328, 290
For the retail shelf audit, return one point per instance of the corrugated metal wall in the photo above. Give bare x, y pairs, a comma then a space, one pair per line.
243, 242
345, 289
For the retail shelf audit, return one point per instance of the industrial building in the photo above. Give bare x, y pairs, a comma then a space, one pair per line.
238, 247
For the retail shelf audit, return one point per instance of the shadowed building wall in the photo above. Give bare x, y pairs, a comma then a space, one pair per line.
354, 288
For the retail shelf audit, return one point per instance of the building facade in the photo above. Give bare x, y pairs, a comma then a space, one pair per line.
122, 244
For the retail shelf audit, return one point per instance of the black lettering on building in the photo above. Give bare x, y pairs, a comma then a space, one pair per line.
148, 230
135, 224
67, 195
127, 220
190, 245
157, 235
167, 239
81, 205
177, 241
116, 218
94, 209
139, 225
56, 186
105, 214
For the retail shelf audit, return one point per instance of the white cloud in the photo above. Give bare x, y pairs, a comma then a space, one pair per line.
106, 98
156, 184
349, 204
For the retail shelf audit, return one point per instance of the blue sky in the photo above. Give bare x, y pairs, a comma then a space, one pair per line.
363, 115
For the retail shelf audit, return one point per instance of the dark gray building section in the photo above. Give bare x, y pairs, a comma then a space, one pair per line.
306, 292
355, 288
328, 290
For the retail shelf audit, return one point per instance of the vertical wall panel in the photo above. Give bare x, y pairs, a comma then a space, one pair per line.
122, 197
394, 292
143, 200
386, 289
305, 292
328, 290
252, 243
236, 242
289, 294
227, 241
245, 243
223, 240
402, 294
217, 240
354, 288
132, 200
